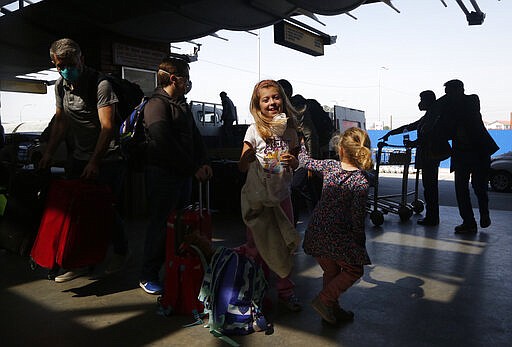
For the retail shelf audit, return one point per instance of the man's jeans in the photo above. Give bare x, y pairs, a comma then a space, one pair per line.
165, 192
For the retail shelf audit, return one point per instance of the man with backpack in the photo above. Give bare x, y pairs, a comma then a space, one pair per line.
175, 153
86, 105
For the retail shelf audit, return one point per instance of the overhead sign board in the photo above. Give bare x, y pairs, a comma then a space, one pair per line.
295, 37
23, 86
137, 57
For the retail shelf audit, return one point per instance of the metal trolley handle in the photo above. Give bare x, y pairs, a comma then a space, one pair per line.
200, 190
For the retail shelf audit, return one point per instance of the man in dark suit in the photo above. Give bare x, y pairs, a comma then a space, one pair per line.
472, 150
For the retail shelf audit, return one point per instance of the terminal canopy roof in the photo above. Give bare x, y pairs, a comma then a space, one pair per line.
25, 35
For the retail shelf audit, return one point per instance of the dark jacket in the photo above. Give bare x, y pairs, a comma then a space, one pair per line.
174, 142
228, 110
472, 144
433, 145
306, 125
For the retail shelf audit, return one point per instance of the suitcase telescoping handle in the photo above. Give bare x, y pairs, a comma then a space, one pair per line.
207, 183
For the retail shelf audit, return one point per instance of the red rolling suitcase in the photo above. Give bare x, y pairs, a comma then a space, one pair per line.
76, 226
185, 264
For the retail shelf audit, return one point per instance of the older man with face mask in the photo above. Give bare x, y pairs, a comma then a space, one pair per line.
85, 106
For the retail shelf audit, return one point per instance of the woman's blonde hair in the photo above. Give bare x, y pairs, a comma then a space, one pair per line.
356, 147
262, 124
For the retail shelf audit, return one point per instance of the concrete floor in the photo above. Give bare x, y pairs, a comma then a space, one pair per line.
426, 287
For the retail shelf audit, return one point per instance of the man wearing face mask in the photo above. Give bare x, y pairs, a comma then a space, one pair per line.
85, 106
430, 151
175, 154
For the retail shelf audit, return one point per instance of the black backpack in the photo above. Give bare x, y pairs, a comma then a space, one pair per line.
129, 94
129, 119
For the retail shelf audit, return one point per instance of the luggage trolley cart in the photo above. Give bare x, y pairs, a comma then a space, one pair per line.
378, 205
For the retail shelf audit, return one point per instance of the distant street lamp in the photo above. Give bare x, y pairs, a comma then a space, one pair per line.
380, 70
258, 35
259, 55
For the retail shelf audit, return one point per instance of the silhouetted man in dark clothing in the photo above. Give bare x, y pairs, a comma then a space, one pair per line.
304, 185
427, 158
228, 109
472, 150
228, 117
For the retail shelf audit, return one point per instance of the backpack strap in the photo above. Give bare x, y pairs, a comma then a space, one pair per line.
224, 338
198, 317
128, 126
201, 255
260, 286
206, 292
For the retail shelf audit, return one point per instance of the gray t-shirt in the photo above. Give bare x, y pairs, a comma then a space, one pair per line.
80, 105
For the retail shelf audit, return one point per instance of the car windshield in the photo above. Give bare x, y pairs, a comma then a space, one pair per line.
25, 127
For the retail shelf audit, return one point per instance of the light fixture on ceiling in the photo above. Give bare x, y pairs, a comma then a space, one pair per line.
475, 17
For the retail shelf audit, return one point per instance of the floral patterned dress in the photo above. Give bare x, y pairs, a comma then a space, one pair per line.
336, 228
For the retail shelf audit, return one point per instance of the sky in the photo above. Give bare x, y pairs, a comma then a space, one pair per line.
379, 64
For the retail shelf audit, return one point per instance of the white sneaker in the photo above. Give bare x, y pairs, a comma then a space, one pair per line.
72, 274
117, 263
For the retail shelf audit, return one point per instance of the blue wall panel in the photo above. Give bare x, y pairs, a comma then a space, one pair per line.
502, 137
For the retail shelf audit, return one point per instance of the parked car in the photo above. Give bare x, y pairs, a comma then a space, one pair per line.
208, 120
500, 176
24, 145
2, 136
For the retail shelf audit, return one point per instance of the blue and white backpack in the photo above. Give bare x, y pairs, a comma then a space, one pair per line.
232, 292
132, 135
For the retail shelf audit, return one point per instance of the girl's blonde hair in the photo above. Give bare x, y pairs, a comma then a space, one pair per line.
356, 147
262, 124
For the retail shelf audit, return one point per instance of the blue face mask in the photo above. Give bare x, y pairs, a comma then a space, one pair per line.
70, 74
